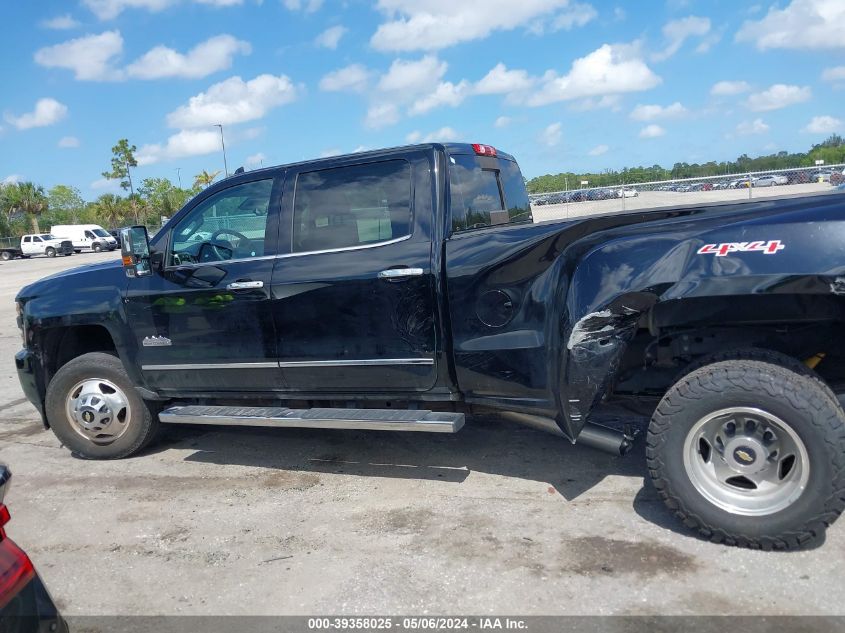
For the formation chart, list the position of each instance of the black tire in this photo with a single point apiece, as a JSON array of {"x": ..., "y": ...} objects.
[
  {"x": 794, "y": 397},
  {"x": 77, "y": 250},
  {"x": 142, "y": 423},
  {"x": 50, "y": 252},
  {"x": 96, "y": 248},
  {"x": 764, "y": 356},
  {"x": 5, "y": 256}
]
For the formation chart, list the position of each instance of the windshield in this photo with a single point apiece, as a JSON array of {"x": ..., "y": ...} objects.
[{"x": 101, "y": 233}]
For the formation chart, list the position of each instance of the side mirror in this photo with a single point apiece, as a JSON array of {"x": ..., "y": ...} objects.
[{"x": 135, "y": 248}]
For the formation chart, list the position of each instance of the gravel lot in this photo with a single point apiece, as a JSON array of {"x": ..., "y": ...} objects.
[{"x": 496, "y": 519}]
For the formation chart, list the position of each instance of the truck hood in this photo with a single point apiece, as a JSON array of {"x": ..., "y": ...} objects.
[{"x": 75, "y": 280}]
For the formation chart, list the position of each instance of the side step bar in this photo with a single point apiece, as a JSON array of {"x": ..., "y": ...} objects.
[{"x": 281, "y": 417}]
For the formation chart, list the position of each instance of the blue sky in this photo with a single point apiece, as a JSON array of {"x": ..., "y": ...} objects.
[{"x": 561, "y": 84}]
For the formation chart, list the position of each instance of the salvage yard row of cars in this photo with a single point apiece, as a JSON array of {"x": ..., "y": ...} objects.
[{"x": 834, "y": 177}]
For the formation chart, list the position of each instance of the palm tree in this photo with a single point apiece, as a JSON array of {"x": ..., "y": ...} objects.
[
  {"x": 109, "y": 208},
  {"x": 203, "y": 179},
  {"x": 28, "y": 198}
]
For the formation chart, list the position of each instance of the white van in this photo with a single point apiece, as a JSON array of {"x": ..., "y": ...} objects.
[{"x": 89, "y": 237}]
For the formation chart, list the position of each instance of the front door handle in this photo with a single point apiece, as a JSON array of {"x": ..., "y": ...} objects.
[
  {"x": 399, "y": 274},
  {"x": 245, "y": 285}
]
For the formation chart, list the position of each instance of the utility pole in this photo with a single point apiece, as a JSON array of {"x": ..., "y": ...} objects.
[
  {"x": 179, "y": 176},
  {"x": 223, "y": 144}
]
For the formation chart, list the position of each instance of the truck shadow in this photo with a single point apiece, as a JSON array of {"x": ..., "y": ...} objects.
[{"x": 486, "y": 444}]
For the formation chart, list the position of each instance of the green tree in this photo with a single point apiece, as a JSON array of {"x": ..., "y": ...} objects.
[
  {"x": 123, "y": 157},
  {"x": 109, "y": 209},
  {"x": 162, "y": 197},
  {"x": 65, "y": 203},
  {"x": 204, "y": 178},
  {"x": 26, "y": 198}
]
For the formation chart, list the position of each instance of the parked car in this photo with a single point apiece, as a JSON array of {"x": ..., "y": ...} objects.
[
  {"x": 770, "y": 180},
  {"x": 837, "y": 177},
  {"x": 627, "y": 192},
  {"x": 382, "y": 291},
  {"x": 822, "y": 176},
  {"x": 90, "y": 237},
  {"x": 38, "y": 244},
  {"x": 25, "y": 604}
]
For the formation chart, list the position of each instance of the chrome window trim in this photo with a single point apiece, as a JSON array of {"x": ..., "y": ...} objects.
[
  {"x": 259, "y": 258},
  {"x": 357, "y": 247},
  {"x": 372, "y": 362}
]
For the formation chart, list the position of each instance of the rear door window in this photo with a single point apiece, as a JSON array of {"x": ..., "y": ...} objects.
[
  {"x": 486, "y": 191},
  {"x": 345, "y": 207}
]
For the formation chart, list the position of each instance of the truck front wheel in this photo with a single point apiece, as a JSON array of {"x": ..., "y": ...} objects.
[
  {"x": 750, "y": 453},
  {"x": 96, "y": 248},
  {"x": 95, "y": 411},
  {"x": 50, "y": 252}
]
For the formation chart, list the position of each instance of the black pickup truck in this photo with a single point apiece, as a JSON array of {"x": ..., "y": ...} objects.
[{"x": 402, "y": 289}]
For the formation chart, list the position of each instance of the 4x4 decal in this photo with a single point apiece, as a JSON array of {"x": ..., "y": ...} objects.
[{"x": 723, "y": 250}]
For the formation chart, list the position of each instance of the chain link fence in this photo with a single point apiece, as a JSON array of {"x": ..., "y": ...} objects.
[{"x": 574, "y": 203}]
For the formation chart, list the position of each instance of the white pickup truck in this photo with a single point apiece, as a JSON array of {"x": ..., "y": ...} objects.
[{"x": 37, "y": 244}]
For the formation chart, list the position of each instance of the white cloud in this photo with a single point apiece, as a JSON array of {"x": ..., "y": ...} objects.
[
  {"x": 598, "y": 150},
  {"x": 105, "y": 184},
  {"x": 210, "y": 56},
  {"x": 352, "y": 78},
  {"x": 255, "y": 160},
  {"x": 573, "y": 15},
  {"x": 652, "y": 131},
  {"x": 413, "y": 77},
  {"x": 614, "y": 102},
  {"x": 61, "y": 22},
  {"x": 502, "y": 121},
  {"x": 89, "y": 57},
  {"x": 330, "y": 38},
  {"x": 729, "y": 88},
  {"x": 807, "y": 24},
  {"x": 179, "y": 145},
  {"x": 445, "y": 94},
  {"x": 652, "y": 112},
  {"x": 110, "y": 9},
  {"x": 436, "y": 24},
  {"x": 677, "y": 32},
  {"x": 551, "y": 135},
  {"x": 778, "y": 96},
  {"x": 381, "y": 115},
  {"x": 824, "y": 125},
  {"x": 834, "y": 73},
  {"x": 234, "y": 101},
  {"x": 67, "y": 142},
  {"x": 757, "y": 126},
  {"x": 500, "y": 80},
  {"x": 309, "y": 6},
  {"x": 47, "y": 112},
  {"x": 443, "y": 135},
  {"x": 611, "y": 69}
]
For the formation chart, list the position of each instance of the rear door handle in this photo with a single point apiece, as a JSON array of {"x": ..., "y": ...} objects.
[
  {"x": 398, "y": 274},
  {"x": 245, "y": 285}
]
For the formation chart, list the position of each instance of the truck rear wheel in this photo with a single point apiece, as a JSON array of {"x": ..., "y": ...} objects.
[
  {"x": 95, "y": 411},
  {"x": 50, "y": 252},
  {"x": 750, "y": 453},
  {"x": 5, "y": 255}
]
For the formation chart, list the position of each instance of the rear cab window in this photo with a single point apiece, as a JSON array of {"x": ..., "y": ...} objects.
[{"x": 486, "y": 191}]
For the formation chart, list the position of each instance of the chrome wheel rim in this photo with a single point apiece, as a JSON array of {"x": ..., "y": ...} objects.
[
  {"x": 746, "y": 461},
  {"x": 98, "y": 410}
]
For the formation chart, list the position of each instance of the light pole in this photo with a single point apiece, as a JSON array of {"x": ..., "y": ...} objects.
[
  {"x": 225, "y": 164},
  {"x": 179, "y": 176}
]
